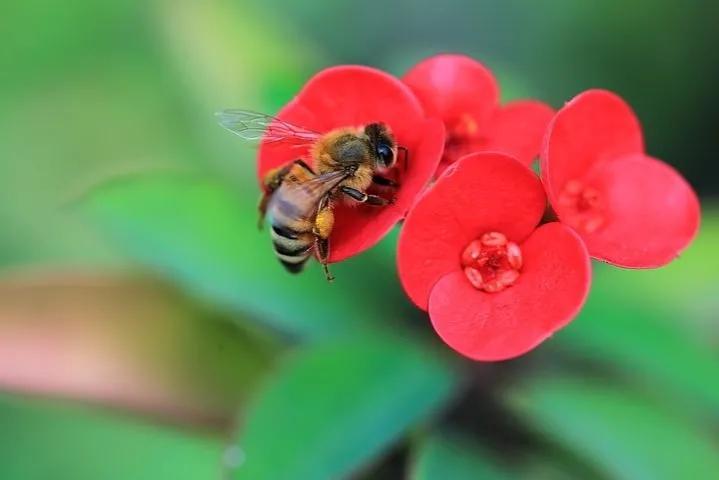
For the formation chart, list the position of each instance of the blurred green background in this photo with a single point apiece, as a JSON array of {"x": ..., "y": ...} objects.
[{"x": 147, "y": 332}]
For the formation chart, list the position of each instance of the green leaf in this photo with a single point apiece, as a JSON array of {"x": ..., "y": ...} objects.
[
  {"x": 551, "y": 464},
  {"x": 619, "y": 432},
  {"x": 203, "y": 235},
  {"x": 645, "y": 325},
  {"x": 455, "y": 456},
  {"x": 646, "y": 345},
  {"x": 686, "y": 287},
  {"x": 449, "y": 456},
  {"x": 41, "y": 440},
  {"x": 336, "y": 406}
]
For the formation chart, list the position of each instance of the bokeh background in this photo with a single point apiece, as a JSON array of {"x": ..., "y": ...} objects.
[{"x": 147, "y": 332}]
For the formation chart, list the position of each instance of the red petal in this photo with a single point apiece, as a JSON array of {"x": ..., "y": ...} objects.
[
  {"x": 346, "y": 96},
  {"x": 651, "y": 212},
  {"x": 358, "y": 228},
  {"x": 593, "y": 127},
  {"x": 449, "y": 86},
  {"x": 353, "y": 96},
  {"x": 480, "y": 193},
  {"x": 518, "y": 128},
  {"x": 357, "y": 95},
  {"x": 549, "y": 293}
]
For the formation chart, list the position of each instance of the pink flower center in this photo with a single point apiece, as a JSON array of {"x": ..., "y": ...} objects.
[
  {"x": 581, "y": 206},
  {"x": 492, "y": 263}
]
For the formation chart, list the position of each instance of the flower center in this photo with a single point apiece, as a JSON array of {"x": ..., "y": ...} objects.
[
  {"x": 582, "y": 206},
  {"x": 463, "y": 137},
  {"x": 465, "y": 127},
  {"x": 492, "y": 263}
]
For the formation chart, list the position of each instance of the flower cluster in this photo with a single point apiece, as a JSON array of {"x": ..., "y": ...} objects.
[{"x": 498, "y": 256}]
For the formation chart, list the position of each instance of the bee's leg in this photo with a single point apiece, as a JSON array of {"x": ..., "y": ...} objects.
[
  {"x": 272, "y": 181},
  {"x": 322, "y": 246},
  {"x": 362, "y": 197},
  {"x": 302, "y": 164},
  {"x": 385, "y": 182},
  {"x": 405, "y": 156},
  {"x": 324, "y": 221}
]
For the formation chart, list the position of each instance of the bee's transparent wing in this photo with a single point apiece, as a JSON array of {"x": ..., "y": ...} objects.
[
  {"x": 323, "y": 183},
  {"x": 255, "y": 127},
  {"x": 311, "y": 191}
]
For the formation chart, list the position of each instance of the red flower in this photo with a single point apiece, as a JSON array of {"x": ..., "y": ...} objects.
[
  {"x": 471, "y": 254},
  {"x": 464, "y": 94},
  {"x": 354, "y": 96},
  {"x": 630, "y": 209}
]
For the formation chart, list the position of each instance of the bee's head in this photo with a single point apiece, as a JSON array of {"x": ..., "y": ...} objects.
[{"x": 383, "y": 146}]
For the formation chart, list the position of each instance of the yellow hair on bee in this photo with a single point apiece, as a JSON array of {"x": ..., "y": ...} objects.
[
  {"x": 321, "y": 148},
  {"x": 324, "y": 222}
]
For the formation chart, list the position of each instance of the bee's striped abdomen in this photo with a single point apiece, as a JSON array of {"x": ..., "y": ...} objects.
[
  {"x": 292, "y": 210},
  {"x": 291, "y": 247}
]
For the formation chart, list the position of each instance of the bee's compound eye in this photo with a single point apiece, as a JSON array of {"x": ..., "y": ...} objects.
[{"x": 384, "y": 152}]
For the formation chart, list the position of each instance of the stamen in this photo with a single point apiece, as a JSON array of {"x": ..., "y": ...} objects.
[
  {"x": 514, "y": 256},
  {"x": 492, "y": 263},
  {"x": 583, "y": 208},
  {"x": 465, "y": 127},
  {"x": 463, "y": 136},
  {"x": 474, "y": 276},
  {"x": 494, "y": 239},
  {"x": 472, "y": 252}
]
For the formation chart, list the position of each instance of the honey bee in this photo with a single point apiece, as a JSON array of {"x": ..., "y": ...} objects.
[{"x": 299, "y": 198}]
